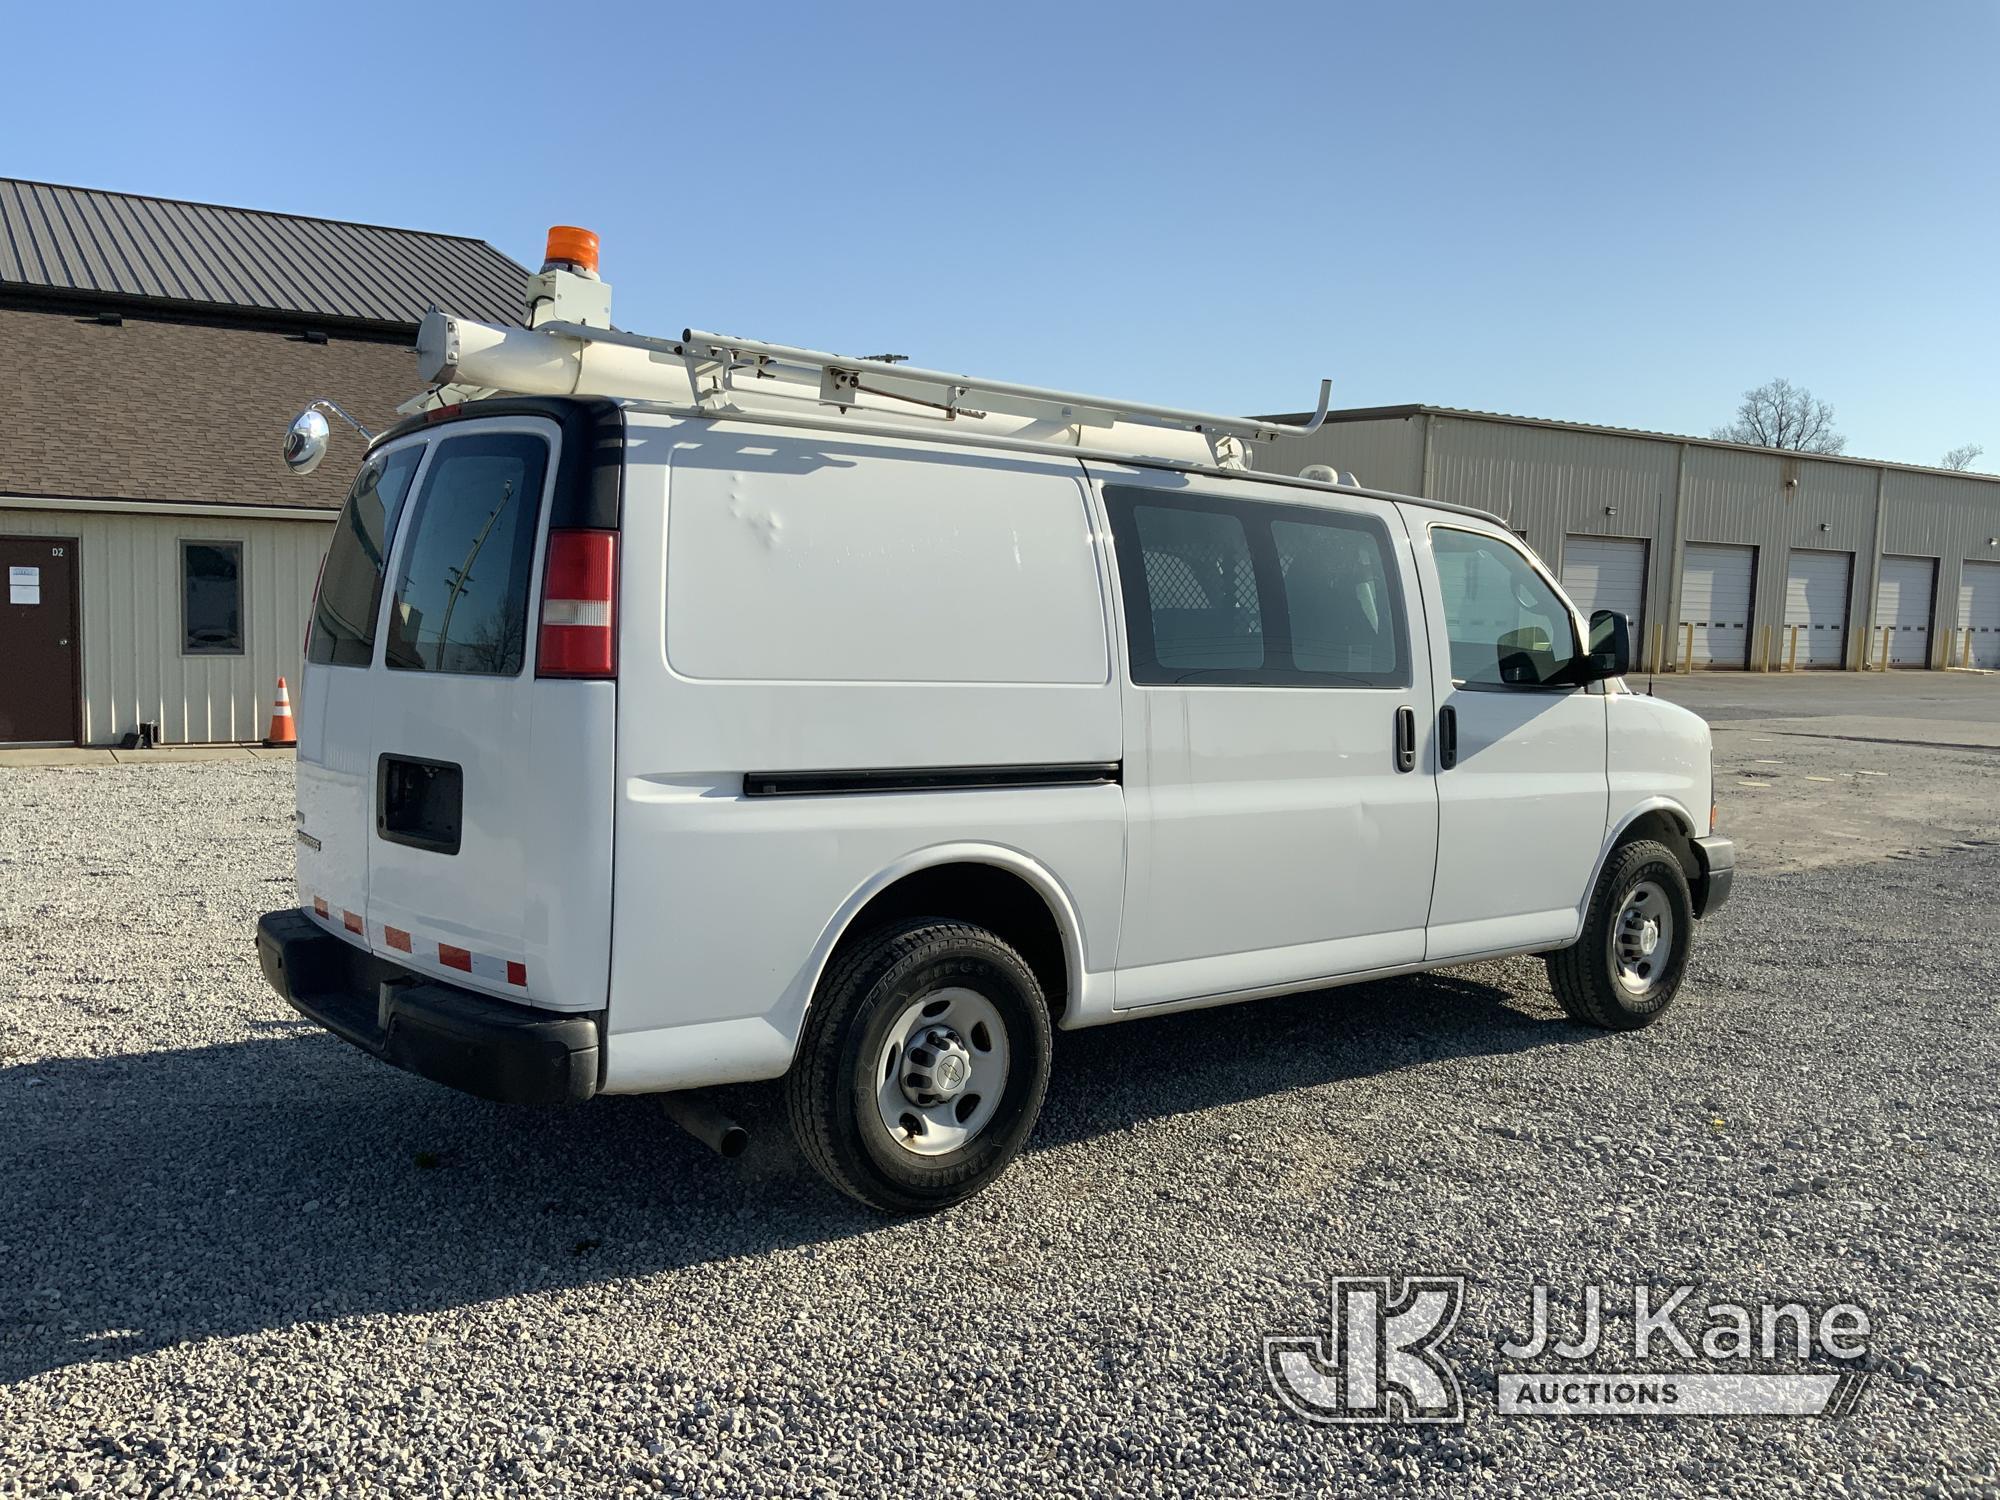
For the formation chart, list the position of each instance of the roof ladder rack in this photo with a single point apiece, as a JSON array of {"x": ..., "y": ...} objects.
[{"x": 716, "y": 365}]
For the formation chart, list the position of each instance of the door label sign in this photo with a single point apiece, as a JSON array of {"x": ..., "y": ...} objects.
[{"x": 24, "y": 585}]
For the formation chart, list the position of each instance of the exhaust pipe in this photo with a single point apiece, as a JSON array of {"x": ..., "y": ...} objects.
[{"x": 693, "y": 1112}]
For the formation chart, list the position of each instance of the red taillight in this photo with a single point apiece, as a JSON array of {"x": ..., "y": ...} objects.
[{"x": 579, "y": 630}]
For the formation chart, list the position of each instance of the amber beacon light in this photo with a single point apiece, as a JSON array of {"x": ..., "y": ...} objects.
[{"x": 571, "y": 249}]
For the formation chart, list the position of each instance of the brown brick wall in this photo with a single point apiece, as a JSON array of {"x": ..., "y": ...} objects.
[{"x": 157, "y": 410}]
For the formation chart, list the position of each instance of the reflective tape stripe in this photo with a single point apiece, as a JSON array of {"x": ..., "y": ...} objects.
[{"x": 488, "y": 966}]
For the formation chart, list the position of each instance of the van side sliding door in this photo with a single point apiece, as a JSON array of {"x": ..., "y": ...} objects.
[{"x": 1282, "y": 814}]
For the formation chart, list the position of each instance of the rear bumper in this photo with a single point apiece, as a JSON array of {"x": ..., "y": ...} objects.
[
  {"x": 474, "y": 1043},
  {"x": 1710, "y": 888}
]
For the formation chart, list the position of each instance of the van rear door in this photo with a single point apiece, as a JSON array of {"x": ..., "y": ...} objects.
[
  {"x": 456, "y": 715},
  {"x": 335, "y": 819},
  {"x": 490, "y": 786}
]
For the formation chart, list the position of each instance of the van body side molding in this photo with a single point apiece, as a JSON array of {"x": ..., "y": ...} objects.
[{"x": 928, "y": 779}]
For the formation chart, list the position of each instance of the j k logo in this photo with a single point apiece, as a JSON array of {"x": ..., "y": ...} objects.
[{"x": 1378, "y": 1360}]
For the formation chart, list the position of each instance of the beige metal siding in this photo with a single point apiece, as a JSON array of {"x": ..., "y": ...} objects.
[
  {"x": 129, "y": 586},
  {"x": 1742, "y": 497},
  {"x": 1384, "y": 454}
]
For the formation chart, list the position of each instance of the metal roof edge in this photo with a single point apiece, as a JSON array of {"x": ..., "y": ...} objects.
[
  {"x": 99, "y": 505},
  {"x": 268, "y": 213},
  {"x": 1557, "y": 424},
  {"x": 36, "y": 296}
]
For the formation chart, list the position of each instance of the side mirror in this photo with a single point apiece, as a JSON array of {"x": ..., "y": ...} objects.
[
  {"x": 1610, "y": 650},
  {"x": 305, "y": 442}
]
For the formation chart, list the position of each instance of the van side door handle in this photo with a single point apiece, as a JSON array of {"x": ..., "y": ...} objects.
[
  {"x": 1406, "y": 739},
  {"x": 1447, "y": 737}
]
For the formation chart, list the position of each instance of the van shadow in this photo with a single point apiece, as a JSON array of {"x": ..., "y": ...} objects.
[{"x": 157, "y": 1198}]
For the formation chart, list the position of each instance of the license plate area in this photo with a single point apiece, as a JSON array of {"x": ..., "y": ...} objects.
[{"x": 419, "y": 802}]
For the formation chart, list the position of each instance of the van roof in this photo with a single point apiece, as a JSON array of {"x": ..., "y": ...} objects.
[{"x": 562, "y": 409}]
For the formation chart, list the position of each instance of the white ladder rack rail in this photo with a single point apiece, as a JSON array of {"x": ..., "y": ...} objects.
[{"x": 714, "y": 362}]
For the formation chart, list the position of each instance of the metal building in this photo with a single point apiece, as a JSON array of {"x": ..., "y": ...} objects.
[
  {"x": 159, "y": 559},
  {"x": 1721, "y": 555}
]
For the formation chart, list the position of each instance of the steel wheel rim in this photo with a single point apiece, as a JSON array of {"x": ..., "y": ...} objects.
[
  {"x": 1642, "y": 940},
  {"x": 915, "y": 1067}
]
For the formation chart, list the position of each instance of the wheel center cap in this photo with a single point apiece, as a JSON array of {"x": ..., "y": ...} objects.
[
  {"x": 936, "y": 1067},
  {"x": 1649, "y": 937}
]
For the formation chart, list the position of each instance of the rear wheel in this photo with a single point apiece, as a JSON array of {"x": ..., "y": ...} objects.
[
  {"x": 923, "y": 1065},
  {"x": 1626, "y": 968}
]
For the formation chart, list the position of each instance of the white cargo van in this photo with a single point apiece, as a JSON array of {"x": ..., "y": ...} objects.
[{"x": 718, "y": 711}]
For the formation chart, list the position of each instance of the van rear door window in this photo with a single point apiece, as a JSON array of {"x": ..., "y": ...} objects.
[
  {"x": 461, "y": 600},
  {"x": 350, "y": 590}
]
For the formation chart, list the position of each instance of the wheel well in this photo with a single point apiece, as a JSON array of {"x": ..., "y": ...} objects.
[
  {"x": 1663, "y": 827},
  {"x": 986, "y": 896}
]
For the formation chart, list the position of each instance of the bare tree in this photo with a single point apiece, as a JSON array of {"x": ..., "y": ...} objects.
[
  {"x": 1783, "y": 415},
  {"x": 1961, "y": 458}
]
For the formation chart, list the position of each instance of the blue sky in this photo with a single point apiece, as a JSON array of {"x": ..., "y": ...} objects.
[{"x": 1602, "y": 212}]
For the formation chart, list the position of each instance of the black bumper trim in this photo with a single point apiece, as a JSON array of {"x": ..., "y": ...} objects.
[
  {"x": 1717, "y": 858},
  {"x": 492, "y": 1048}
]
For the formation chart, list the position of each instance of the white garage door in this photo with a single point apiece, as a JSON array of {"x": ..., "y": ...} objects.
[
  {"x": 1816, "y": 608},
  {"x": 1903, "y": 609},
  {"x": 1602, "y": 572},
  {"x": 1979, "y": 612},
  {"x": 1715, "y": 604}
]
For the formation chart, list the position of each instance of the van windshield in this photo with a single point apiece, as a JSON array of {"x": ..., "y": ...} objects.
[
  {"x": 350, "y": 590},
  {"x": 461, "y": 602}
]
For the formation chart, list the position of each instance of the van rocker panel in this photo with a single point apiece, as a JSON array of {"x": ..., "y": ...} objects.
[{"x": 492, "y": 1048}]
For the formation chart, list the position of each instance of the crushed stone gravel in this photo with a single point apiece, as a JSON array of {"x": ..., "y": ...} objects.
[{"x": 241, "y": 1257}]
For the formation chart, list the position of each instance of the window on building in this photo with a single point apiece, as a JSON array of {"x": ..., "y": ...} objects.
[
  {"x": 1230, "y": 592},
  {"x": 212, "y": 598},
  {"x": 1507, "y": 627},
  {"x": 350, "y": 588},
  {"x": 461, "y": 603}
]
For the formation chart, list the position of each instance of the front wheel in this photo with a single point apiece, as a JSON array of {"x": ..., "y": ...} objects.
[
  {"x": 923, "y": 1065},
  {"x": 1626, "y": 968}
]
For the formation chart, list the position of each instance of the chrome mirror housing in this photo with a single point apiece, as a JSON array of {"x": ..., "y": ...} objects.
[{"x": 305, "y": 442}]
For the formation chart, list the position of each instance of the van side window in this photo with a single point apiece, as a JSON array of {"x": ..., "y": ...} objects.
[
  {"x": 1507, "y": 627},
  {"x": 1337, "y": 599},
  {"x": 1201, "y": 588},
  {"x": 1248, "y": 593},
  {"x": 461, "y": 604},
  {"x": 350, "y": 588}
]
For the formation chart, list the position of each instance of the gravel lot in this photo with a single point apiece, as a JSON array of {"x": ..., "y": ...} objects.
[{"x": 242, "y": 1257}]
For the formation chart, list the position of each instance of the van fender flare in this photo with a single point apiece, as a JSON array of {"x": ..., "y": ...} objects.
[
  {"x": 1037, "y": 875},
  {"x": 1632, "y": 815}
]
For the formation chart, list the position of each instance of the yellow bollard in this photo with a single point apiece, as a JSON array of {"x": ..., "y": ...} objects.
[
  {"x": 1792, "y": 651},
  {"x": 1887, "y": 640},
  {"x": 1687, "y": 661}
]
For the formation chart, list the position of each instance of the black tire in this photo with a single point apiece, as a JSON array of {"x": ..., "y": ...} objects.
[
  {"x": 1585, "y": 976},
  {"x": 830, "y": 1092}
]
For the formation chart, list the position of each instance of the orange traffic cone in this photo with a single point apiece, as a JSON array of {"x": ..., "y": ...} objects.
[{"x": 283, "y": 731}]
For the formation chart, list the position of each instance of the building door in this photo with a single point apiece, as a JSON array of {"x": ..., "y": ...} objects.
[
  {"x": 1815, "y": 633},
  {"x": 38, "y": 641},
  {"x": 1607, "y": 572},
  {"x": 1714, "y": 628},
  {"x": 1903, "y": 610},
  {"x": 1979, "y": 614}
]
